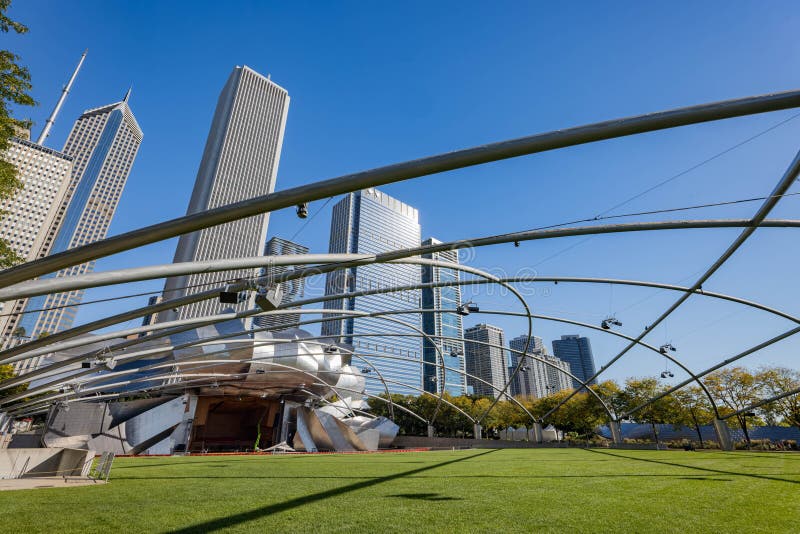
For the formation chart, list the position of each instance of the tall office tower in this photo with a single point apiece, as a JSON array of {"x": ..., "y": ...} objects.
[
  {"x": 103, "y": 144},
  {"x": 240, "y": 161},
  {"x": 538, "y": 379},
  {"x": 577, "y": 352},
  {"x": 449, "y": 325},
  {"x": 27, "y": 216},
  {"x": 488, "y": 363},
  {"x": 370, "y": 221},
  {"x": 292, "y": 290}
]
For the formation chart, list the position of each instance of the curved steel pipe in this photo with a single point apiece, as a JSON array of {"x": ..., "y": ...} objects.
[{"x": 403, "y": 171}]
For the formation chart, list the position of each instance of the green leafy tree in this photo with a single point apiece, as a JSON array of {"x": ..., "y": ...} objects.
[
  {"x": 15, "y": 85},
  {"x": 776, "y": 381},
  {"x": 637, "y": 391},
  {"x": 692, "y": 409},
  {"x": 735, "y": 389},
  {"x": 6, "y": 372}
]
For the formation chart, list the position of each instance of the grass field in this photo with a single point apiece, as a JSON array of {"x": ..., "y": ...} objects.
[{"x": 533, "y": 490}]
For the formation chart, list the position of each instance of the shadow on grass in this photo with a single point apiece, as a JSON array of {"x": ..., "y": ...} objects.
[
  {"x": 230, "y": 521},
  {"x": 706, "y": 469},
  {"x": 426, "y": 497}
]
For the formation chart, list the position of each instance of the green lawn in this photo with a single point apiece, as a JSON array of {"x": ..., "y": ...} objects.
[{"x": 520, "y": 490}]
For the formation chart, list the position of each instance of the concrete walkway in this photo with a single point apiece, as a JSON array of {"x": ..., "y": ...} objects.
[{"x": 8, "y": 484}]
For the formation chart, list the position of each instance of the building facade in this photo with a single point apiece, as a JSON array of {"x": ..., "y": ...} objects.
[
  {"x": 103, "y": 145},
  {"x": 489, "y": 363},
  {"x": 28, "y": 216},
  {"x": 292, "y": 290},
  {"x": 240, "y": 161},
  {"x": 442, "y": 325},
  {"x": 577, "y": 352},
  {"x": 538, "y": 379},
  {"x": 372, "y": 222}
]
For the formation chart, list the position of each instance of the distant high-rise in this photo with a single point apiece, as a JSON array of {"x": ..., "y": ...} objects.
[
  {"x": 538, "y": 379},
  {"x": 448, "y": 325},
  {"x": 488, "y": 363},
  {"x": 370, "y": 221},
  {"x": 26, "y": 218},
  {"x": 292, "y": 290},
  {"x": 103, "y": 144},
  {"x": 240, "y": 161},
  {"x": 577, "y": 352}
]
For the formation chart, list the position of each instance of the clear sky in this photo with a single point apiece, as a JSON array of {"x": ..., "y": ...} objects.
[{"x": 374, "y": 83}]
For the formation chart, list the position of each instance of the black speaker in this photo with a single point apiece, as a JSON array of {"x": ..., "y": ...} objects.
[{"x": 228, "y": 297}]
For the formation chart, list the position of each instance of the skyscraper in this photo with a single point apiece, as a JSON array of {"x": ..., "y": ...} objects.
[
  {"x": 577, "y": 352},
  {"x": 240, "y": 161},
  {"x": 485, "y": 362},
  {"x": 370, "y": 221},
  {"x": 436, "y": 379},
  {"x": 292, "y": 290},
  {"x": 28, "y": 216},
  {"x": 103, "y": 144},
  {"x": 538, "y": 379}
]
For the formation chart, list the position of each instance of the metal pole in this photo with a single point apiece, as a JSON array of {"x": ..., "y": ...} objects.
[
  {"x": 404, "y": 171},
  {"x": 783, "y": 185},
  {"x": 64, "y": 92}
]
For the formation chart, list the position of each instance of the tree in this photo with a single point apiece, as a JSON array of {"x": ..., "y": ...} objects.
[
  {"x": 15, "y": 84},
  {"x": 736, "y": 389},
  {"x": 692, "y": 409},
  {"x": 637, "y": 391},
  {"x": 6, "y": 372},
  {"x": 778, "y": 380}
]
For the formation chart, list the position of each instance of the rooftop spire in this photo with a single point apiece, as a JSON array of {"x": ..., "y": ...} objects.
[
  {"x": 64, "y": 92},
  {"x": 127, "y": 95}
]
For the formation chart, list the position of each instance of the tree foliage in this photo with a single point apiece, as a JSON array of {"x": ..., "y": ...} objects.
[{"x": 732, "y": 390}]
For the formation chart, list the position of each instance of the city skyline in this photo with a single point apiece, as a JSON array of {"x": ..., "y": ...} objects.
[{"x": 348, "y": 132}]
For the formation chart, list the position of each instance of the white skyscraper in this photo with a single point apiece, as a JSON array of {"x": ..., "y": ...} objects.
[
  {"x": 29, "y": 214},
  {"x": 486, "y": 362},
  {"x": 538, "y": 379},
  {"x": 103, "y": 145},
  {"x": 240, "y": 161}
]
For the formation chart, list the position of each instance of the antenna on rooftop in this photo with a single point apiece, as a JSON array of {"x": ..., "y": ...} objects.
[{"x": 64, "y": 92}]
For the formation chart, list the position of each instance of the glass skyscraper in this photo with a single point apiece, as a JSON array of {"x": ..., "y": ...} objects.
[
  {"x": 292, "y": 290},
  {"x": 103, "y": 145},
  {"x": 371, "y": 222},
  {"x": 240, "y": 161},
  {"x": 436, "y": 379},
  {"x": 577, "y": 352}
]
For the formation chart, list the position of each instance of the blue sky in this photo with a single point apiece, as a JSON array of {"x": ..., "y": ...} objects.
[{"x": 374, "y": 83}]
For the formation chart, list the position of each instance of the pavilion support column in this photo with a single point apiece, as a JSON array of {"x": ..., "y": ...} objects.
[
  {"x": 538, "y": 435},
  {"x": 616, "y": 432},
  {"x": 478, "y": 431},
  {"x": 723, "y": 435},
  {"x": 431, "y": 431}
]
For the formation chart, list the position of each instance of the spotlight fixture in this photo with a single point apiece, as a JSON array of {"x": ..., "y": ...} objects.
[
  {"x": 516, "y": 243},
  {"x": 269, "y": 298},
  {"x": 467, "y": 308},
  {"x": 663, "y": 349},
  {"x": 608, "y": 322},
  {"x": 365, "y": 370},
  {"x": 331, "y": 349},
  {"x": 456, "y": 352},
  {"x": 302, "y": 210},
  {"x": 667, "y": 374}
]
